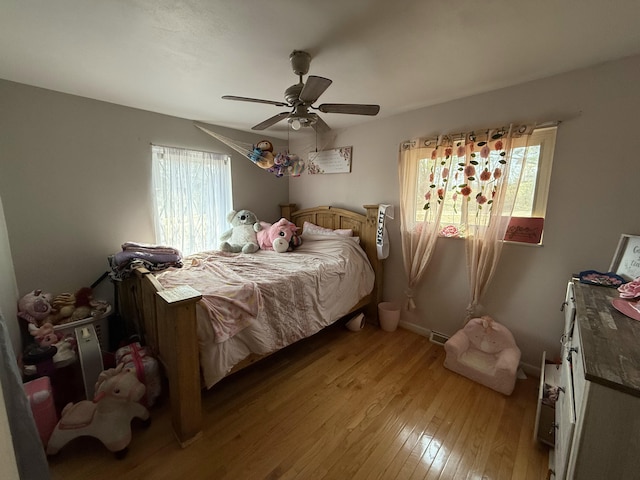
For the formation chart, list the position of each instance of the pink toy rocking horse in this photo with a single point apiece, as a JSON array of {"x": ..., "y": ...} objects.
[{"x": 108, "y": 417}]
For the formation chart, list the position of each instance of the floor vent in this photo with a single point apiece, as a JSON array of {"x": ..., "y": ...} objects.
[{"x": 437, "y": 337}]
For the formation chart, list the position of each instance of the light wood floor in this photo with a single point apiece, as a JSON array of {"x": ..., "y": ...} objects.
[{"x": 340, "y": 405}]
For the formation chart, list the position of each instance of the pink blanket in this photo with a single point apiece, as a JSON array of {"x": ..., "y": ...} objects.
[
  {"x": 230, "y": 301},
  {"x": 264, "y": 301}
]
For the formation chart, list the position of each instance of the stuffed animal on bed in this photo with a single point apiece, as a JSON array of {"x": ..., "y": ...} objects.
[
  {"x": 277, "y": 236},
  {"x": 242, "y": 236}
]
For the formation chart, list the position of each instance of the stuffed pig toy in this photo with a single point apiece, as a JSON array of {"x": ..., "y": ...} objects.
[
  {"x": 277, "y": 236},
  {"x": 242, "y": 235},
  {"x": 35, "y": 307}
]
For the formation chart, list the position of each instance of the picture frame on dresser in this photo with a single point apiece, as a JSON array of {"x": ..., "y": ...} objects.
[{"x": 626, "y": 260}]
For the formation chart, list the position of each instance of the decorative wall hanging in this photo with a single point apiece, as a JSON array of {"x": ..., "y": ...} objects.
[{"x": 335, "y": 160}]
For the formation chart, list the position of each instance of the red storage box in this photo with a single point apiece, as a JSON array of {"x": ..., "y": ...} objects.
[{"x": 40, "y": 397}]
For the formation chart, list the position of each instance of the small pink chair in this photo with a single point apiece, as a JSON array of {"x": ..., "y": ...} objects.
[{"x": 486, "y": 352}]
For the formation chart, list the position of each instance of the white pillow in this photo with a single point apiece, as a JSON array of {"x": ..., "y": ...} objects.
[{"x": 312, "y": 229}]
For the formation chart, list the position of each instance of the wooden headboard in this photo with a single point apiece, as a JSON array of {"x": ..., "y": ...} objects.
[{"x": 363, "y": 226}]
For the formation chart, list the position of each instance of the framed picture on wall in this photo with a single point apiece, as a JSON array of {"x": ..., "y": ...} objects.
[
  {"x": 335, "y": 160},
  {"x": 626, "y": 260}
]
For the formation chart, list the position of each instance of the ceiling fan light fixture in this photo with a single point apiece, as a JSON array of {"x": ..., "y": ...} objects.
[{"x": 301, "y": 97}]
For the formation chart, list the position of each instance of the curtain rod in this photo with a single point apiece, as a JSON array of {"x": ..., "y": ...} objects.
[
  {"x": 188, "y": 148},
  {"x": 438, "y": 138}
]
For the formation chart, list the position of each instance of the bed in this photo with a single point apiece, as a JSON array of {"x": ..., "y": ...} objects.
[{"x": 196, "y": 352}]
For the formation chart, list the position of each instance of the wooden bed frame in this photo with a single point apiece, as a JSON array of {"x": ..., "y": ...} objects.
[{"x": 167, "y": 317}]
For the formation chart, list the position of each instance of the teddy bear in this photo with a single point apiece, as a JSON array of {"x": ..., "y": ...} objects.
[
  {"x": 242, "y": 236},
  {"x": 277, "y": 236},
  {"x": 262, "y": 154},
  {"x": 73, "y": 307}
]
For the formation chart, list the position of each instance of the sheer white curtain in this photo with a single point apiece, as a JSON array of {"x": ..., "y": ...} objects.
[
  {"x": 192, "y": 197},
  {"x": 490, "y": 176},
  {"x": 424, "y": 170}
]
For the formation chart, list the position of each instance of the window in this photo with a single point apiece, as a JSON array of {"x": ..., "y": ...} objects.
[
  {"x": 192, "y": 197},
  {"x": 531, "y": 198}
]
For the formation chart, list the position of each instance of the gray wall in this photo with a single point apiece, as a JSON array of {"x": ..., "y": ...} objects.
[
  {"x": 74, "y": 180},
  {"x": 594, "y": 194}
]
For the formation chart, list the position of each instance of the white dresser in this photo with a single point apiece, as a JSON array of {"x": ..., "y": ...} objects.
[{"x": 597, "y": 414}]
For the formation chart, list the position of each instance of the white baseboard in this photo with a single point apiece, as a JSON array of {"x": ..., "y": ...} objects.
[{"x": 425, "y": 332}]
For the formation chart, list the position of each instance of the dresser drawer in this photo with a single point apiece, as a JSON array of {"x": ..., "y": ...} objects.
[
  {"x": 565, "y": 417},
  {"x": 569, "y": 309},
  {"x": 577, "y": 363},
  {"x": 545, "y": 430}
]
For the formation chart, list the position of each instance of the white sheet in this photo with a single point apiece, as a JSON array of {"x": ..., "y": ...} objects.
[{"x": 303, "y": 291}]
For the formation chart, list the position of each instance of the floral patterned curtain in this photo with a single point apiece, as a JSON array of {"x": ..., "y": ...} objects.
[
  {"x": 477, "y": 174},
  {"x": 489, "y": 181},
  {"x": 419, "y": 227}
]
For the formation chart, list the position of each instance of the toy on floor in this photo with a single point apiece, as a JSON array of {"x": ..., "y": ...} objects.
[
  {"x": 138, "y": 359},
  {"x": 486, "y": 352},
  {"x": 108, "y": 417}
]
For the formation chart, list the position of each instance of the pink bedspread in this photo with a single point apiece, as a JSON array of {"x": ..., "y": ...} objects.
[
  {"x": 259, "y": 303},
  {"x": 231, "y": 301}
]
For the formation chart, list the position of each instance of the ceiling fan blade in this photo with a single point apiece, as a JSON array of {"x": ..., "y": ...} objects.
[
  {"x": 320, "y": 126},
  {"x": 255, "y": 100},
  {"x": 314, "y": 87},
  {"x": 350, "y": 108},
  {"x": 270, "y": 121}
]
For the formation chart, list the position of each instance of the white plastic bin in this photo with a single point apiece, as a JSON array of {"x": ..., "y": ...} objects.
[
  {"x": 388, "y": 316},
  {"x": 100, "y": 323}
]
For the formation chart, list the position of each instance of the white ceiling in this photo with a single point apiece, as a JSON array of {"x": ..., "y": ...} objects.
[{"x": 180, "y": 57}]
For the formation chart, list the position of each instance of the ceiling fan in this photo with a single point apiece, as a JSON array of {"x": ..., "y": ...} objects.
[{"x": 301, "y": 97}]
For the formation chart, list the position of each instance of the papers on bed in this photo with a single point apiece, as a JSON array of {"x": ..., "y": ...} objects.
[
  {"x": 261, "y": 302},
  {"x": 179, "y": 294}
]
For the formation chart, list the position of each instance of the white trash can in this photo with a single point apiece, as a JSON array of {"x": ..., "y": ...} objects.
[{"x": 388, "y": 316}]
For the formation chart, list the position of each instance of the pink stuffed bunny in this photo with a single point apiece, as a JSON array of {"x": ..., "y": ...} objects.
[{"x": 276, "y": 236}]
